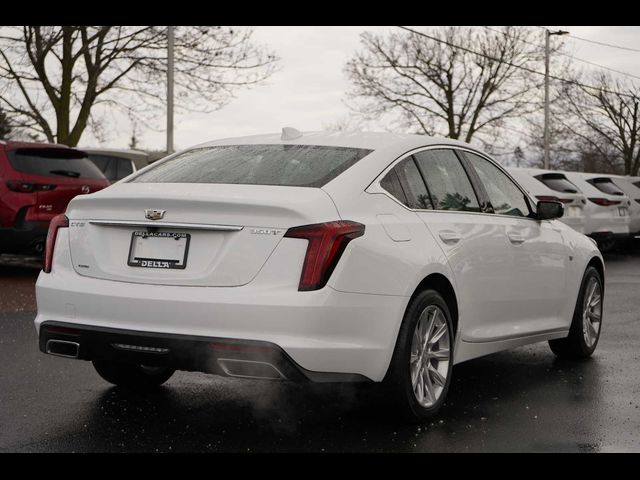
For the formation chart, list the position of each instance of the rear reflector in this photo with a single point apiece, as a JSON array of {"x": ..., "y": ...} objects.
[
  {"x": 63, "y": 330},
  {"x": 327, "y": 242},
  {"x": 57, "y": 222},
  {"x": 604, "y": 202}
]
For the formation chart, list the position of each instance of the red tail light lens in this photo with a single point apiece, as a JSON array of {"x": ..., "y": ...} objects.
[
  {"x": 551, "y": 198},
  {"x": 26, "y": 187},
  {"x": 20, "y": 187},
  {"x": 547, "y": 198},
  {"x": 327, "y": 242},
  {"x": 57, "y": 222},
  {"x": 603, "y": 202}
]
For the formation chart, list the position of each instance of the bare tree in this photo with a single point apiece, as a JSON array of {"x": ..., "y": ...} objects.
[
  {"x": 52, "y": 78},
  {"x": 458, "y": 82},
  {"x": 604, "y": 115},
  {"x": 5, "y": 125}
]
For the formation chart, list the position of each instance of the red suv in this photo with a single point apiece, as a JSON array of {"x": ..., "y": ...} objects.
[{"x": 37, "y": 181}]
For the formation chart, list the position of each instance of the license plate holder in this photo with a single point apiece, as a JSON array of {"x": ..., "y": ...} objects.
[{"x": 160, "y": 250}]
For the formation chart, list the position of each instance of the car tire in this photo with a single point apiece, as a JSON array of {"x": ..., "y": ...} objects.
[
  {"x": 586, "y": 325},
  {"x": 407, "y": 381},
  {"x": 135, "y": 377}
]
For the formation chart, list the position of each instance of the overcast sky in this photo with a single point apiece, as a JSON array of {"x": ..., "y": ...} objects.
[{"x": 308, "y": 91}]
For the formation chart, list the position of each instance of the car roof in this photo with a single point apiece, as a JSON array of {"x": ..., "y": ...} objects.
[
  {"x": 13, "y": 145},
  {"x": 117, "y": 152},
  {"x": 365, "y": 140}
]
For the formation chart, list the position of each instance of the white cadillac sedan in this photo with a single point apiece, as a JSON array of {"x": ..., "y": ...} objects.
[{"x": 318, "y": 257}]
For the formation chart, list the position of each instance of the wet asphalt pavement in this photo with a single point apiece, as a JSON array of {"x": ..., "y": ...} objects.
[{"x": 520, "y": 400}]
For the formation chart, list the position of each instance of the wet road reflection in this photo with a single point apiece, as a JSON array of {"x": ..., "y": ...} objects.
[{"x": 521, "y": 400}]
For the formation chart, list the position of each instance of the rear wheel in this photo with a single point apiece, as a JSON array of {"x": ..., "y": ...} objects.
[
  {"x": 137, "y": 377},
  {"x": 420, "y": 371},
  {"x": 587, "y": 320}
]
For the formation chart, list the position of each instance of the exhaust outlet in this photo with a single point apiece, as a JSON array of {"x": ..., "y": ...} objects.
[
  {"x": 250, "y": 369},
  {"x": 63, "y": 348}
]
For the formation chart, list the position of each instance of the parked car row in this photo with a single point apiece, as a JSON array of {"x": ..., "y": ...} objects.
[
  {"x": 603, "y": 206},
  {"x": 37, "y": 181}
]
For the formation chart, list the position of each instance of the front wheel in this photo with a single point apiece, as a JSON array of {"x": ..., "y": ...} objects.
[
  {"x": 420, "y": 372},
  {"x": 138, "y": 377},
  {"x": 587, "y": 320}
]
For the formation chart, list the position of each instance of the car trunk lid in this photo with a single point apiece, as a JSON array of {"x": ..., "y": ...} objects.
[{"x": 203, "y": 234}]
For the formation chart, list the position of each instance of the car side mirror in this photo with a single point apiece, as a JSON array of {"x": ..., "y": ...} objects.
[{"x": 548, "y": 210}]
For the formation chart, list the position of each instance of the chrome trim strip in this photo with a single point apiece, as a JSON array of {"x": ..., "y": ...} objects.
[{"x": 191, "y": 226}]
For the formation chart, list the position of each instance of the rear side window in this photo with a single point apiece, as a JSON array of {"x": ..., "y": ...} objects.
[
  {"x": 391, "y": 183},
  {"x": 54, "y": 162},
  {"x": 505, "y": 196},
  {"x": 606, "y": 185},
  {"x": 558, "y": 182},
  {"x": 287, "y": 165},
  {"x": 412, "y": 184},
  {"x": 114, "y": 168},
  {"x": 447, "y": 181}
]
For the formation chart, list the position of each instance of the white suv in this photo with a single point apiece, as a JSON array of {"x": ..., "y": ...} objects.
[
  {"x": 631, "y": 187},
  {"x": 550, "y": 185},
  {"x": 319, "y": 257},
  {"x": 607, "y": 208}
]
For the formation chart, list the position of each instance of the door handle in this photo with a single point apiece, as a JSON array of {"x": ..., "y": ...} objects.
[
  {"x": 515, "y": 238},
  {"x": 449, "y": 236}
]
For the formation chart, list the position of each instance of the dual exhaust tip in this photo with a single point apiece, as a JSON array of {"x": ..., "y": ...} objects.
[
  {"x": 230, "y": 366},
  {"x": 63, "y": 348}
]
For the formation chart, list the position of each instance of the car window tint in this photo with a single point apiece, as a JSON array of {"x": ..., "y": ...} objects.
[
  {"x": 107, "y": 164},
  {"x": 606, "y": 185},
  {"x": 448, "y": 183},
  {"x": 391, "y": 183},
  {"x": 413, "y": 186},
  {"x": 285, "y": 165},
  {"x": 124, "y": 168},
  {"x": 505, "y": 197},
  {"x": 558, "y": 182},
  {"x": 54, "y": 162}
]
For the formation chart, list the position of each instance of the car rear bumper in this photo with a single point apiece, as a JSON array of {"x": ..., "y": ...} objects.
[
  {"x": 321, "y": 331},
  {"x": 220, "y": 356},
  {"x": 28, "y": 239}
]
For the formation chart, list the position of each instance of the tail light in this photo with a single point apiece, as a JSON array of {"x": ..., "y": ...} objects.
[
  {"x": 551, "y": 198},
  {"x": 327, "y": 242},
  {"x": 604, "y": 202},
  {"x": 21, "y": 187},
  {"x": 27, "y": 187},
  {"x": 57, "y": 222},
  {"x": 547, "y": 198}
]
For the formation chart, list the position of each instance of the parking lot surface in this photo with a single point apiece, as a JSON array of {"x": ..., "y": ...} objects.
[{"x": 520, "y": 400}]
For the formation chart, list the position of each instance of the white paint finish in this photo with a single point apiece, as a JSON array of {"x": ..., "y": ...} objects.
[
  {"x": 600, "y": 219},
  {"x": 633, "y": 192},
  {"x": 512, "y": 278},
  {"x": 394, "y": 228},
  {"x": 215, "y": 258},
  {"x": 574, "y": 203}
]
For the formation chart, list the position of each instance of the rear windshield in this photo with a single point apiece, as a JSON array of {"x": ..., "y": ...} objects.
[
  {"x": 558, "y": 182},
  {"x": 606, "y": 185},
  {"x": 54, "y": 162},
  {"x": 287, "y": 165}
]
